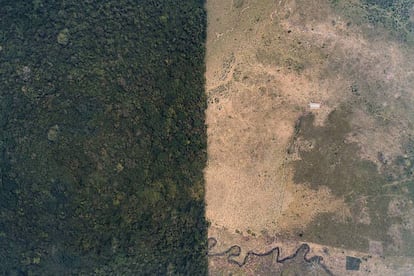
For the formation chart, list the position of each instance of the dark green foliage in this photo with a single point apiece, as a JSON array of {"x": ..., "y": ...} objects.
[
  {"x": 382, "y": 3},
  {"x": 119, "y": 188},
  {"x": 395, "y": 17},
  {"x": 332, "y": 162},
  {"x": 352, "y": 263}
]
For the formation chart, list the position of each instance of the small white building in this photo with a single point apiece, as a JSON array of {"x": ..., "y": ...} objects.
[{"x": 314, "y": 105}]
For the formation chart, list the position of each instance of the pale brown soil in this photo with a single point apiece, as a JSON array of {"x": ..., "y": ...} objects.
[
  {"x": 266, "y": 61},
  {"x": 250, "y": 123}
]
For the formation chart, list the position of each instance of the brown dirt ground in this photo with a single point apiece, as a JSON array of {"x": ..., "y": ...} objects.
[{"x": 266, "y": 61}]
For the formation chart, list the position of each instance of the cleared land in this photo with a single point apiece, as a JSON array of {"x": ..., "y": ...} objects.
[{"x": 280, "y": 172}]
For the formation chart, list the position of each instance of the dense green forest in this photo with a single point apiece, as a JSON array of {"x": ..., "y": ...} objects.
[{"x": 102, "y": 137}]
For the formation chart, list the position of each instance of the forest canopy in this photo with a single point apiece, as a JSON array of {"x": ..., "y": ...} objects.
[{"x": 103, "y": 140}]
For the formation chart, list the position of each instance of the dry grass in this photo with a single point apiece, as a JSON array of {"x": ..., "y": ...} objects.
[{"x": 266, "y": 60}]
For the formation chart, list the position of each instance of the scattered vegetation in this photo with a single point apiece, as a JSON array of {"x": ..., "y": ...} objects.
[{"x": 396, "y": 17}]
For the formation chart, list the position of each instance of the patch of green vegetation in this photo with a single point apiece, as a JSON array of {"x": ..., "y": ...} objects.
[
  {"x": 408, "y": 246},
  {"x": 393, "y": 16},
  {"x": 402, "y": 170},
  {"x": 334, "y": 163},
  {"x": 287, "y": 50},
  {"x": 238, "y": 3},
  {"x": 410, "y": 186},
  {"x": 291, "y": 61},
  {"x": 326, "y": 230},
  {"x": 250, "y": 232},
  {"x": 103, "y": 139}
]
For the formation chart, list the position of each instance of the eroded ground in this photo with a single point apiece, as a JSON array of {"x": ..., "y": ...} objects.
[{"x": 281, "y": 173}]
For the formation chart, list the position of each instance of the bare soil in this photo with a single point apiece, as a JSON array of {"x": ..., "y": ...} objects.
[{"x": 338, "y": 176}]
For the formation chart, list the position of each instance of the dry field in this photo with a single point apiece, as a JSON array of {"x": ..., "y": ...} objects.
[{"x": 281, "y": 173}]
